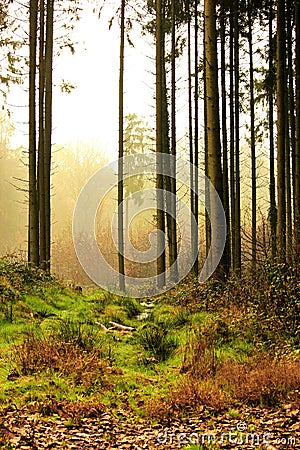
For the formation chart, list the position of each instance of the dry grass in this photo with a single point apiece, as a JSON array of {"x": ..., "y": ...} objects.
[
  {"x": 263, "y": 382},
  {"x": 69, "y": 410},
  {"x": 35, "y": 355},
  {"x": 266, "y": 382}
]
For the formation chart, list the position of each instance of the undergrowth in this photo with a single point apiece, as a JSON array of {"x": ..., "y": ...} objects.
[
  {"x": 263, "y": 382},
  {"x": 37, "y": 355},
  {"x": 212, "y": 345}
]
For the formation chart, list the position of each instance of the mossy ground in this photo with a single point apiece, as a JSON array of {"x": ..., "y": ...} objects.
[{"x": 199, "y": 347}]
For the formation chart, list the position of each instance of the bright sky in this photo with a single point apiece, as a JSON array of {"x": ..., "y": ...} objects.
[{"x": 90, "y": 112}]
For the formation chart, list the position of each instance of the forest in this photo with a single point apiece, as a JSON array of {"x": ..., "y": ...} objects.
[{"x": 149, "y": 284}]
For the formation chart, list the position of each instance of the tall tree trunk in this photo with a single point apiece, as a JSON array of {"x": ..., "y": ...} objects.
[
  {"x": 232, "y": 162},
  {"x": 166, "y": 142},
  {"x": 194, "y": 249},
  {"x": 48, "y": 127},
  {"x": 297, "y": 126},
  {"x": 33, "y": 225},
  {"x": 224, "y": 137},
  {"x": 196, "y": 139},
  {"x": 173, "y": 230},
  {"x": 237, "y": 211},
  {"x": 273, "y": 210},
  {"x": 207, "y": 187},
  {"x": 213, "y": 122},
  {"x": 252, "y": 132},
  {"x": 41, "y": 159},
  {"x": 281, "y": 130},
  {"x": 121, "y": 154},
  {"x": 290, "y": 132},
  {"x": 161, "y": 259},
  {"x": 288, "y": 190}
]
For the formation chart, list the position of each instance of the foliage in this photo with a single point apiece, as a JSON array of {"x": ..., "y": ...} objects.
[
  {"x": 36, "y": 355},
  {"x": 21, "y": 276},
  {"x": 132, "y": 307},
  {"x": 278, "y": 306},
  {"x": 185, "y": 359},
  {"x": 75, "y": 333},
  {"x": 263, "y": 382},
  {"x": 156, "y": 340}
]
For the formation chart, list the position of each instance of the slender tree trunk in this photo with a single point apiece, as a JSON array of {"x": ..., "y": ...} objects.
[
  {"x": 297, "y": 126},
  {"x": 48, "y": 128},
  {"x": 237, "y": 210},
  {"x": 224, "y": 137},
  {"x": 166, "y": 145},
  {"x": 196, "y": 137},
  {"x": 33, "y": 225},
  {"x": 121, "y": 154},
  {"x": 290, "y": 132},
  {"x": 252, "y": 128},
  {"x": 41, "y": 159},
  {"x": 194, "y": 249},
  {"x": 289, "y": 222},
  {"x": 273, "y": 210},
  {"x": 213, "y": 121},
  {"x": 173, "y": 230},
  {"x": 232, "y": 162},
  {"x": 207, "y": 187},
  {"x": 281, "y": 130},
  {"x": 161, "y": 259}
]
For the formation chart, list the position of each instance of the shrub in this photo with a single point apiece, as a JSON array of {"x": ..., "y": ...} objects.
[
  {"x": 199, "y": 353},
  {"x": 264, "y": 382},
  {"x": 178, "y": 319},
  {"x": 76, "y": 333},
  {"x": 155, "y": 339},
  {"x": 68, "y": 410},
  {"x": 20, "y": 275},
  {"x": 132, "y": 307},
  {"x": 279, "y": 304},
  {"x": 36, "y": 355}
]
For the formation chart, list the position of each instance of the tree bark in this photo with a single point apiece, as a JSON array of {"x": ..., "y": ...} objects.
[
  {"x": 173, "y": 227},
  {"x": 41, "y": 158},
  {"x": 207, "y": 188},
  {"x": 194, "y": 249},
  {"x": 48, "y": 128},
  {"x": 196, "y": 142},
  {"x": 33, "y": 224},
  {"x": 281, "y": 130},
  {"x": 273, "y": 210},
  {"x": 161, "y": 257},
  {"x": 121, "y": 154},
  {"x": 290, "y": 133},
  {"x": 232, "y": 162},
  {"x": 297, "y": 144},
  {"x": 213, "y": 122},
  {"x": 252, "y": 132},
  {"x": 237, "y": 211},
  {"x": 224, "y": 137}
]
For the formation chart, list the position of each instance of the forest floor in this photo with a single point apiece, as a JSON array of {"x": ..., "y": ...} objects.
[
  {"x": 275, "y": 428},
  {"x": 204, "y": 366}
]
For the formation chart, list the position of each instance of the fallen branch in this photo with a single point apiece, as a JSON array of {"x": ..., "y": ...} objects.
[
  {"x": 121, "y": 327},
  {"x": 114, "y": 326},
  {"x": 102, "y": 326}
]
